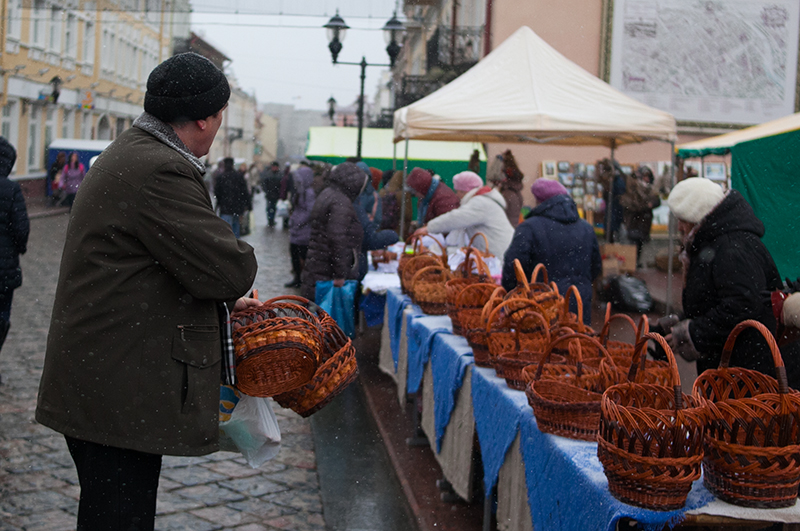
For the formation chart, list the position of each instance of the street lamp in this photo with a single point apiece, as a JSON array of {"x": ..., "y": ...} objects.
[
  {"x": 332, "y": 109},
  {"x": 392, "y": 31}
]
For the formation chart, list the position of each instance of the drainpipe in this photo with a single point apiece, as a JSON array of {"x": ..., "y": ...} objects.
[{"x": 487, "y": 29}]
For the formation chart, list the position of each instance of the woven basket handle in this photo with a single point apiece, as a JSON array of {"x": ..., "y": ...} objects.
[
  {"x": 607, "y": 326},
  {"x": 540, "y": 268},
  {"x": 525, "y": 303},
  {"x": 443, "y": 247},
  {"x": 485, "y": 240},
  {"x": 426, "y": 269},
  {"x": 643, "y": 327},
  {"x": 573, "y": 292},
  {"x": 497, "y": 295},
  {"x": 640, "y": 351},
  {"x": 466, "y": 291},
  {"x": 474, "y": 255},
  {"x": 559, "y": 340},
  {"x": 520, "y": 274},
  {"x": 780, "y": 368},
  {"x": 415, "y": 242},
  {"x": 554, "y": 287}
]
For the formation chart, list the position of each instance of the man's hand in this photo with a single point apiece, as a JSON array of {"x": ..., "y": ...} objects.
[
  {"x": 244, "y": 303},
  {"x": 338, "y": 282},
  {"x": 680, "y": 341}
]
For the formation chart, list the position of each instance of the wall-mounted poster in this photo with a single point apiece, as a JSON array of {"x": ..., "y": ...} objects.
[
  {"x": 693, "y": 168},
  {"x": 566, "y": 179},
  {"x": 732, "y": 62},
  {"x": 563, "y": 166},
  {"x": 549, "y": 169},
  {"x": 714, "y": 171},
  {"x": 590, "y": 171}
]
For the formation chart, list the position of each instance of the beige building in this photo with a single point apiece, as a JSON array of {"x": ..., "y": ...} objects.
[
  {"x": 266, "y": 148},
  {"x": 78, "y": 69},
  {"x": 237, "y": 136}
]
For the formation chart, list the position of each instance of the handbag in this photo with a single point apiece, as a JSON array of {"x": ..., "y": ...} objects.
[{"x": 339, "y": 303}]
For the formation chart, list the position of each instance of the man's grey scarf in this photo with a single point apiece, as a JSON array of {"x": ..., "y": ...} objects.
[{"x": 149, "y": 123}]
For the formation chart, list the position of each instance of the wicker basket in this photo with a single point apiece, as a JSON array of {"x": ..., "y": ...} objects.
[
  {"x": 651, "y": 439},
  {"x": 468, "y": 306},
  {"x": 752, "y": 443},
  {"x": 566, "y": 398},
  {"x": 516, "y": 340},
  {"x": 476, "y": 328},
  {"x": 464, "y": 276},
  {"x": 429, "y": 291},
  {"x": 331, "y": 377},
  {"x": 279, "y": 353},
  {"x": 571, "y": 320},
  {"x": 413, "y": 265},
  {"x": 543, "y": 293}
]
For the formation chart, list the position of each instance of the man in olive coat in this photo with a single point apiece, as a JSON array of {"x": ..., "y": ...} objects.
[{"x": 133, "y": 362}]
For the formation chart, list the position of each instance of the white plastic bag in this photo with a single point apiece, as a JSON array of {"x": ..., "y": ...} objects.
[
  {"x": 252, "y": 429},
  {"x": 282, "y": 208}
]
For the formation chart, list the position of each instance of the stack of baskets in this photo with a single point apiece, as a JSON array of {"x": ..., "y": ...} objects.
[
  {"x": 651, "y": 438},
  {"x": 292, "y": 350},
  {"x": 473, "y": 270},
  {"x": 752, "y": 442}
]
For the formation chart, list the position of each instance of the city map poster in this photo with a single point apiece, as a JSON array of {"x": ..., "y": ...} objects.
[{"x": 731, "y": 62}]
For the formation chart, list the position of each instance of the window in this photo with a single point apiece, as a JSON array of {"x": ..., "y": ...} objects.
[
  {"x": 34, "y": 160},
  {"x": 9, "y": 122},
  {"x": 88, "y": 43},
  {"x": 14, "y": 19},
  {"x": 70, "y": 37},
  {"x": 54, "y": 38},
  {"x": 120, "y": 126},
  {"x": 38, "y": 23},
  {"x": 49, "y": 127},
  {"x": 68, "y": 124}
]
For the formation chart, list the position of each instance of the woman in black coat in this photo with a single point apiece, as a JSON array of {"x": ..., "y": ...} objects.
[
  {"x": 336, "y": 234},
  {"x": 727, "y": 267},
  {"x": 14, "y": 228}
]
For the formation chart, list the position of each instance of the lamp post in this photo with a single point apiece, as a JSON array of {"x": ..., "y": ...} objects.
[
  {"x": 332, "y": 109},
  {"x": 392, "y": 31}
]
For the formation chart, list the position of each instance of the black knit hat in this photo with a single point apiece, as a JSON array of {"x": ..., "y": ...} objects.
[
  {"x": 186, "y": 87},
  {"x": 8, "y": 156}
]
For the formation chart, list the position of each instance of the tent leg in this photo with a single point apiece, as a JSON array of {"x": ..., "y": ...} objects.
[
  {"x": 394, "y": 158},
  {"x": 671, "y": 240},
  {"x": 403, "y": 195},
  {"x": 609, "y": 206}
]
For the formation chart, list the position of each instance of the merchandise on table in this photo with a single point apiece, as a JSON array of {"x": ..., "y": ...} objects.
[
  {"x": 428, "y": 288},
  {"x": 472, "y": 270},
  {"x": 651, "y": 438},
  {"x": 752, "y": 450},
  {"x": 543, "y": 293},
  {"x": 517, "y": 336},
  {"x": 476, "y": 328},
  {"x": 468, "y": 305}
]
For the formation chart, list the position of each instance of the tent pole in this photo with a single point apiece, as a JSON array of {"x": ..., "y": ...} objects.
[
  {"x": 403, "y": 195},
  {"x": 671, "y": 240},
  {"x": 394, "y": 158},
  {"x": 609, "y": 206}
]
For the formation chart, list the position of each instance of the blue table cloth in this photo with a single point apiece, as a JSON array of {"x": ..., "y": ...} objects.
[
  {"x": 396, "y": 302},
  {"x": 450, "y": 357},
  {"x": 422, "y": 330}
]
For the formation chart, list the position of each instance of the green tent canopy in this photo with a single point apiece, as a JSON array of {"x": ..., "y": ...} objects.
[
  {"x": 335, "y": 144},
  {"x": 765, "y": 168}
]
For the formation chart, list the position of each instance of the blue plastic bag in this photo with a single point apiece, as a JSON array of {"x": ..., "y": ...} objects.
[{"x": 339, "y": 303}]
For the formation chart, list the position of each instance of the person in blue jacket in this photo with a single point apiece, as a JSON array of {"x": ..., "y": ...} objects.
[{"x": 553, "y": 234}]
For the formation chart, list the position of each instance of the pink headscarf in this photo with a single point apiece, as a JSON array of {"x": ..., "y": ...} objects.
[{"x": 466, "y": 181}]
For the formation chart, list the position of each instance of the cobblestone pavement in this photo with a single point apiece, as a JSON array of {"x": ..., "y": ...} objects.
[{"x": 38, "y": 484}]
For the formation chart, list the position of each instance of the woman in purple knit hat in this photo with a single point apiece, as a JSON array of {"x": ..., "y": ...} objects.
[{"x": 554, "y": 234}]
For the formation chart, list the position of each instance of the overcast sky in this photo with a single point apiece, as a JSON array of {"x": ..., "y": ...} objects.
[{"x": 279, "y": 49}]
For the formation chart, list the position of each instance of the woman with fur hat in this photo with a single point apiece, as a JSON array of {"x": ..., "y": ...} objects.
[
  {"x": 482, "y": 210},
  {"x": 726, "y": 268},
  {"x": 435, "y": 197},
  {"x": 555, "y": 235}
]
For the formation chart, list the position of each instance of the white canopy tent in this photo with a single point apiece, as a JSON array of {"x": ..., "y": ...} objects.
[{"x": 525, "y": 91}]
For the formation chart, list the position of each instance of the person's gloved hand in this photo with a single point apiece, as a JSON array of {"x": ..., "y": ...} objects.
[
  {"x": 664, "y": 325},
  {"x": 790, "y": 315},
  {"x": 680, "y": 341}
]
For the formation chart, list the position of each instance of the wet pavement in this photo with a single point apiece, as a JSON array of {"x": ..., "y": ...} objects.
[{"x": 38, "y": 484}]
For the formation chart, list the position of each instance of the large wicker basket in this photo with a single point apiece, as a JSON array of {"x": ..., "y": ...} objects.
[
  {"x": 469, "y": 304},
  {"x": 543, "y": 293},
  {"x": 475, "y": 328},
  {"x": 566, "y": 398},
  {"x": 429, "y": 289},
  {"x": 651, "y": 438},
  {"x": 278, "y": 353},
  {"x": 464, "y": 277},
  {"x": 752, "y": 444},
  {"x": 412, "y": 266},
  {"x": 516, "y": 340}
]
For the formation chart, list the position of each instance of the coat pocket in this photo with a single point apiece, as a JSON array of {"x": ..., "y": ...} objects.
[{"x": 198, "y": 349}]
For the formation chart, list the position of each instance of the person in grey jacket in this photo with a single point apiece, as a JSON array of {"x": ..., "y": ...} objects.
[
  {"x": 148, "y": 276},
  {"x": 14, "y": 229},
  {"x": 299, "y": 221}
]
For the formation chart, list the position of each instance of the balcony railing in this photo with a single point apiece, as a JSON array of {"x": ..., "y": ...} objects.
[
  {"x": 454, "y": 48},
  {"x": 413, "y": 88}
]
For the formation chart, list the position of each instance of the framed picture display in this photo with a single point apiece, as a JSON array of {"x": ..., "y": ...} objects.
[
  {"x": 692, "y": 166},
  {"x": 664, "y": 168},
  {"x": 579, "y": 168},
  {"x": 563, "y": 166},
  {"x": 590, "y": 171},
  {"x": 714, "y": 171},
  {"x": 549, "y": 169},
  {"x": 566, "y": 179}
]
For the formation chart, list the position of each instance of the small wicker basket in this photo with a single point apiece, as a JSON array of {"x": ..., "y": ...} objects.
[
  {"x": 468, "y": 305},
  {"x": 651, "y": 438},
  {"x": 516, "y": 340},
  {"x": 752, "y": 444},
  {"x": 464, "y": 277},
  {"x": 429, "y": 289},
  {"x": 475, "y": 328}
]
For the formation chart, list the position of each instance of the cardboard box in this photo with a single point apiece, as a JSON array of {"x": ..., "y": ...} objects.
[
  {"x": 610, "y": 267},
  {"x": 625, "y": 256}
]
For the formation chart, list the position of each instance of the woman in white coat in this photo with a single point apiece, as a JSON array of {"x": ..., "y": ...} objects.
[{"x": 482, "y": 209}]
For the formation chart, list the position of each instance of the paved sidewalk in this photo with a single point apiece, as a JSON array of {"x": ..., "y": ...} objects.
[{"x": 38, "y": 483}]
